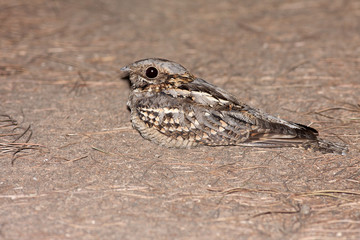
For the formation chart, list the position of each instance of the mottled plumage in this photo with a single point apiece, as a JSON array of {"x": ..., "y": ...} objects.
[{"x": 173, "y": 108}]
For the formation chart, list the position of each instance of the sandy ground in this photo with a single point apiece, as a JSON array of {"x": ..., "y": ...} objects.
[{"x": 71, "y": 166}]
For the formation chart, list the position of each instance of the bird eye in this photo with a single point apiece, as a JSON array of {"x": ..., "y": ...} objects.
[{"x": 151, "y": 72}]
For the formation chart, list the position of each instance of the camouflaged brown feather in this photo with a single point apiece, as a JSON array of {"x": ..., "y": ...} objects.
[{"x": 173, "y": 108}]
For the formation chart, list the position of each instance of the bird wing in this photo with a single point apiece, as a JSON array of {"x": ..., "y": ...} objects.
[
  {"x": 228, "y": 121},
  {"x": 233, "y": 125}
]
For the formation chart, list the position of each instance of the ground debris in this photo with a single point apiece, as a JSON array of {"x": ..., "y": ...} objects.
[{"x": 14, "y": 139}]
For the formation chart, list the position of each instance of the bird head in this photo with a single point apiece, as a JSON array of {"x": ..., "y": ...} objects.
[{"x": 155, "y": 71}]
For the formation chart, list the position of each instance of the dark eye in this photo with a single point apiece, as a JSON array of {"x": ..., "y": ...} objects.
[{"x": 151, "y": 72}]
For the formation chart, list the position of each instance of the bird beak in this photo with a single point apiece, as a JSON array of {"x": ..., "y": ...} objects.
[
  {"x": 125, "y": 72},
  {"x": 125, "y": 69}
]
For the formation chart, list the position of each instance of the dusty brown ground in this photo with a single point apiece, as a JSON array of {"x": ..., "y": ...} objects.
[{"x": 81, "y": 172}]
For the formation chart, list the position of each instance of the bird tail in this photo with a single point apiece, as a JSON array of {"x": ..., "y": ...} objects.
[
  {"x": 325, "y": 146},
  {"x": 316, "y": 145}
]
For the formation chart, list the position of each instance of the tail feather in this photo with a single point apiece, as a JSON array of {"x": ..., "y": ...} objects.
[
  {"x": 325, "y": 146},
  {"x": 319, "y": 145},
  {"x": 272, "y": 132}
]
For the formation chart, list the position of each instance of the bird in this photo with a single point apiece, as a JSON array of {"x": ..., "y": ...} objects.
[{"x": 173, "y": 108}]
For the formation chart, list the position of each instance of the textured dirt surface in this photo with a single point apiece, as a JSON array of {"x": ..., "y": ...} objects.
[{"x": 71, "y": 166}]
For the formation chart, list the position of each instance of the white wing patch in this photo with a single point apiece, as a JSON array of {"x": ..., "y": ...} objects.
[{"x": 207, "y": 99}]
